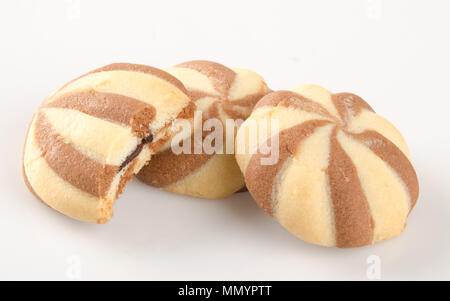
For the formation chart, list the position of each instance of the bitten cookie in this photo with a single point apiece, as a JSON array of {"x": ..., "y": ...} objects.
[
  {"x": 86, "y": 140},
  {"x": 343, "y": 175},
  {"x": 218, "y": 92}
]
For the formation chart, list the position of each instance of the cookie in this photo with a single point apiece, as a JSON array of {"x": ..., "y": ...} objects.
[
  {"x": 87, "y": 139},
  {"x": 219, "y": 93},
  {"x": 343, "y": 175}
]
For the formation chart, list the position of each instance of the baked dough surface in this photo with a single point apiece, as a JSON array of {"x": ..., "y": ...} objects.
[
  {"x": 80, "y": 138},
  {"x": 343, "y": 175}
]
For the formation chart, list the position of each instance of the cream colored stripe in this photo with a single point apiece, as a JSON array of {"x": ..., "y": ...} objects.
[
  {"x": 261, "y": 112},
  {"x": 193, "y": 80},
  {"x": 367, "y": 120},
  {"x": 387, "y": 195},
  {"x": 245, "y": 83},
  {"x": 238, "y": 111},
  {"x": 56, "y": 192},
  {"x": 165, "y": 97},
  {"x": 319, "y": 95},
  {"x": 104, "y": 141},
  {"x": 219, "y": 177},
  {"x": 203, "y": 104},
  {"x": 303, "y": 200},
  {"x": 286, "y": 117}
]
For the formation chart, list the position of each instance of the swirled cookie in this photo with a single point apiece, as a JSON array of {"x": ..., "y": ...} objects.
[
  {"x": 343, "y": 175},
  {"x": 219, "y": 93},
  {"x": 86, "y": 140}
]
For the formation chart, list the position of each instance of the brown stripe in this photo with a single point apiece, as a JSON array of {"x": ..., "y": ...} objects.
[
  {"x": 349, "y": 105},
  {"x": 24, "y": 174},
  {"x": 221, "y": 77},
  {"x": 230, "y": 107},
  {"x": 292, "y": 99},
  {"x": 242, "y": 108},
  {"x": 144, "y": 69},
  {"x": 25, "y": 177},
  {"x": 135, "y": 68},
  {"x": 353, "y": 220},
  {"x": 126, "y": 177},
  {"x": 250, "y": 100},
  {"x": 166, "y": 168},
  {"x": 71, "y": 165},
  {"x": 195, "y": 95},
  {"x": 260, "y": 179},
  {"x": 394, "y": 157},
  {"x": 113, "y": 107},
  {"x": 236, "y": 112},
  {"x": 212, "y": 112}
]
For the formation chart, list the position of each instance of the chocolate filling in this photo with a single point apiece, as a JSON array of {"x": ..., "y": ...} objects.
[
  {"x": 137, "y": 151},
  {"x": 243, "y": 189}
]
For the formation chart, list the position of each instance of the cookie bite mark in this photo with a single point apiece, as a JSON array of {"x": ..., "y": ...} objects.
[
  {"x": 137, "y": 151},
  {"x": 157, "y": 140},
  {"x": 109, "y": 106},
  {"x": 87, "y": 174},
  {"x": 87, "y": 139},
  {"x": 126, "y": 177},
  {"x": 167, "y": 168},
  {"x": 294, "y": 100},
  {"x": 188, "y": 111},
  {"x": 221, "y": 93},
  {"x": 349, "y": 105},
  {"x": 261, "y": 179},
  {"x": 220, "y": 76},
  {"x": 353, "y": 219},
  {"x": 394, "y": 157}
]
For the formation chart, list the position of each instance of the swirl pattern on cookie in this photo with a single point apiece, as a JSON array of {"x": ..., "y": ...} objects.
[
  {"x": 87, "y": 139},
  {"x": 218, "y": 92},
  {"x": 343, "y": 176}
]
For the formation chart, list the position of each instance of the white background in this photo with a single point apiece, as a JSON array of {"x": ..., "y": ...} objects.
[{"x": 395, "y": 54}]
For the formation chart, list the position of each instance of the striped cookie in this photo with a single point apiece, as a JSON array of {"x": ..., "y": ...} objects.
[
  {"x": 86, "y": 140},
  {"x": 343, "y": 175},
  {"x": 221, "y": 93}
]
